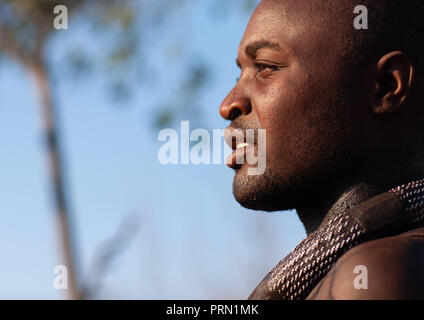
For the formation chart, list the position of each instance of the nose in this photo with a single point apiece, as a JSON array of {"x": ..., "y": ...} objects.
[{"x": 231, "y": 108}]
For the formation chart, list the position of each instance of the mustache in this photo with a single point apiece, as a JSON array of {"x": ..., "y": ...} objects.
[{"x": 244, "y": 126}]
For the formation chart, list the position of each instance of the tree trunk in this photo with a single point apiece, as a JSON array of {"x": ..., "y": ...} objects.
[{"x": 49, "y": 123}]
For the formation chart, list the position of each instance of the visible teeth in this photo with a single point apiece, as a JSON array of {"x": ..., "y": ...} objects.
[{"x": 242, "y": 145}]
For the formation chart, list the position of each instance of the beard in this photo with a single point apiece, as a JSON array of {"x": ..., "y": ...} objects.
[
  {"x": 266, "y": 192},
  {"x": 290, "y": 187}
]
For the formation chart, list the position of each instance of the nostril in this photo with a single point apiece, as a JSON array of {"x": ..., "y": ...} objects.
[
  {"x": 235, "y": 113},
  {"x": 233, "y": 107}
]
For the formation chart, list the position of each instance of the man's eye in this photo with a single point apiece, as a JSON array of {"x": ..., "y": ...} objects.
[{"x": 261, "y": 67}]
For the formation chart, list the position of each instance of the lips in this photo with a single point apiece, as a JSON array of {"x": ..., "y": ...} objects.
[{"x": 235, "y": 138}]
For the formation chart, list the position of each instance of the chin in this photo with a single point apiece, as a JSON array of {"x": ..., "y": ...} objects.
[{"x": 266, "y": 192}]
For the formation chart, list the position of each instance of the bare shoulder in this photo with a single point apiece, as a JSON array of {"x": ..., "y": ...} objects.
[{"x": 387, "y": 268}]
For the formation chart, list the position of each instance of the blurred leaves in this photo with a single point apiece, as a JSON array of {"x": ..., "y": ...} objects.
[
  {"x": 186, "y": 101},
  {"x": 118, "y": 34},
  {"x": 26, "y": 30},
  {"x": 78, "y": 63},
  {"x": 219, "y": 9},
  {"x": 26, "y": 25},
  {"x": 248, "y": 5}
]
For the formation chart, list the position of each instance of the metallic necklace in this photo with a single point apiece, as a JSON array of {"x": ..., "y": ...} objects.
[{"x": 390, "y": 213}]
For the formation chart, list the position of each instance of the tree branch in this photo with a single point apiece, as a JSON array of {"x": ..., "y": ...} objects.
[{"x": 11, "y": 46}]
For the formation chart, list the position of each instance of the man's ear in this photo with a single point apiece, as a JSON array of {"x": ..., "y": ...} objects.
[{"x": 394, "y": 81}]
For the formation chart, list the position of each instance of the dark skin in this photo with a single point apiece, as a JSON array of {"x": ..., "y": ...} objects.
[
  {"x": 394, "y": 267},
  {"x": 332, "y": 126}
]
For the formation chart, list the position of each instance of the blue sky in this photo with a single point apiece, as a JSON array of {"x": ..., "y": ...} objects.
[{"x": 194, "y": 241}]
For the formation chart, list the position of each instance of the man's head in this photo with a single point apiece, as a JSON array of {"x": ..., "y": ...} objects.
[{"x": 337, "y": 103}]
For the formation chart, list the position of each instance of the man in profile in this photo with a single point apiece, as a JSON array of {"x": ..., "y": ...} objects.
[{"x": 343, "y": 114}]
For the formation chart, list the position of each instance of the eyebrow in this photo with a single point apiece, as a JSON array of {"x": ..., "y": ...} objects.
[{"x": 252, "y": 49}]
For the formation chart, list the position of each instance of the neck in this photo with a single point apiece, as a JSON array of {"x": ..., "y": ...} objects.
[{"x": 322, "y": 208}]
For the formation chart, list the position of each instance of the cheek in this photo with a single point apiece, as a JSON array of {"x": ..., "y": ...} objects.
[
  {"x": 275, "y": 103},
  {"x": 299, "y": 121}
]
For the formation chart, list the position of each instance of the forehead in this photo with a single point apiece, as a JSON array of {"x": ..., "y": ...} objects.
[{"x": 300, "y": 26}]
